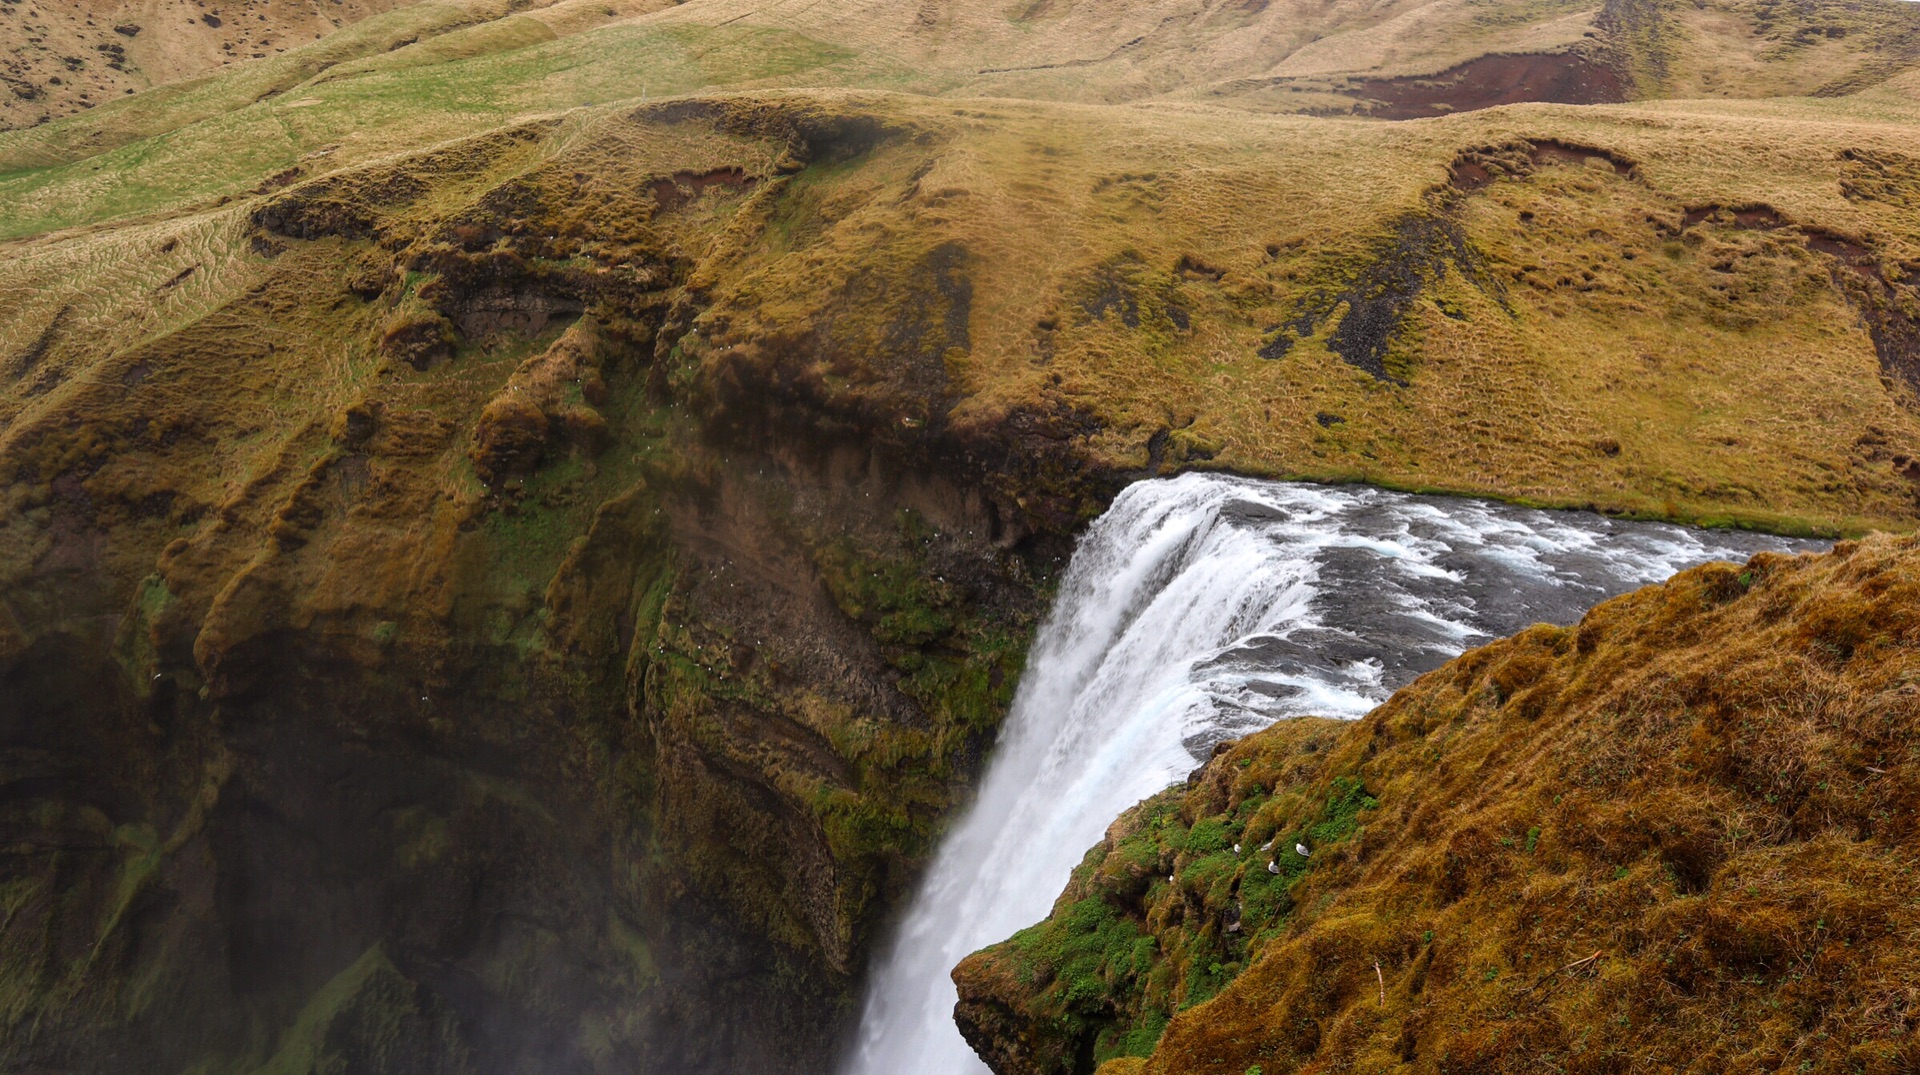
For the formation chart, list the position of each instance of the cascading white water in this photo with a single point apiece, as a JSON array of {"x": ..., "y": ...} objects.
[{"x": 1201, "y": 608}]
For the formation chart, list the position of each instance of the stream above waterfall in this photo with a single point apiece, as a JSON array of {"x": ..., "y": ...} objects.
[{"x": 1199, "y": 609}]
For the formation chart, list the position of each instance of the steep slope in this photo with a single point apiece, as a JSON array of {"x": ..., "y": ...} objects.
[
  {"x": 1679, "y": 836},
  {"x": 456, "y": 653}
]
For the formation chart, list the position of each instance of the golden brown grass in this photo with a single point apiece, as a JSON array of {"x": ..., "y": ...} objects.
[
  {"x": 429, "y": 71},
  {"x": 1600, "y": 361},
  {"x": 1600, "y": 352},
  {"x": 1678, "y": 836},
  {"x": 67, "y": 57}
]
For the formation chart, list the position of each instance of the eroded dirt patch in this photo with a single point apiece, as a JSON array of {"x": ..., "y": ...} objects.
[
  {"x": 1886, "y": 297},
  {"x": 683, "y": 188},
  {"x": 1476, "y": 169},
  {"x": 1490, "y": 81}
]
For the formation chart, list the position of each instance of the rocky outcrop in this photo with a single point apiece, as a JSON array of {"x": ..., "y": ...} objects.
[
  {"x": 1692, "y": 810},
  {"x": 574, "y": 699}
]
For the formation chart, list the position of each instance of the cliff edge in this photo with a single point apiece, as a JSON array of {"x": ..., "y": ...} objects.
[{"x": 1678, "y": 836}]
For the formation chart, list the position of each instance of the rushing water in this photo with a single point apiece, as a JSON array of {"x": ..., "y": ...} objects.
[{"x": 1201, "y": 608}]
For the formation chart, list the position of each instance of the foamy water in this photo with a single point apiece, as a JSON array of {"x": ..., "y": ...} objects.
[{"x": 1201, "y": 608}]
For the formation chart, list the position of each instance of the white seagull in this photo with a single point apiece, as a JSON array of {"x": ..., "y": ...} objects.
[{"x": 1302, "y": 850}]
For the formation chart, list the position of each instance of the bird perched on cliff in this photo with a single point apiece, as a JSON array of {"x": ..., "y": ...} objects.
[
  {"x": 1268, "y": 846},
  {"x": 1301, "y": 849},
  {"x": 1236, "y": 847},
  {"x": 1273, "y": 866}
]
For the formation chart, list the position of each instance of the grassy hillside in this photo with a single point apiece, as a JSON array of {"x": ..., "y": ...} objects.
[
  {"x": 67, "y": 57},
  {"x": 1678, "y": 836},
  {"x": 1649, "y": 310},
  {"x": 436, "y": 70}
]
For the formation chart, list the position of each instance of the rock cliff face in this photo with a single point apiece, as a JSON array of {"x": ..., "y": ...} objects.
[
  {"x": 1680, "y": 833},
  {"x": 523, "y": 695}
]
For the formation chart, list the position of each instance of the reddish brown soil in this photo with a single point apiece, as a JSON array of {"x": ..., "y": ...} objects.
[
  {"x": 1477, "y": 168},
  {"x": 1488, "y": 81},
  {"x": 682, "y": 188}
]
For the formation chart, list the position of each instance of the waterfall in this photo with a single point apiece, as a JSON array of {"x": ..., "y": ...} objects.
[{"x": 1201, "y": 608}]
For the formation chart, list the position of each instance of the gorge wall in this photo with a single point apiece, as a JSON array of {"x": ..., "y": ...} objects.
[{"x": 527, "y": 698}]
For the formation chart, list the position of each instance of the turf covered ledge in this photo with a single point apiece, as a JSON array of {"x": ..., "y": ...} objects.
[{"x": 1682, "y": 830}]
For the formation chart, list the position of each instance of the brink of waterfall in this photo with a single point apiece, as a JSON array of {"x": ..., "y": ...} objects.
[{"x": 1202, "y": 608}]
